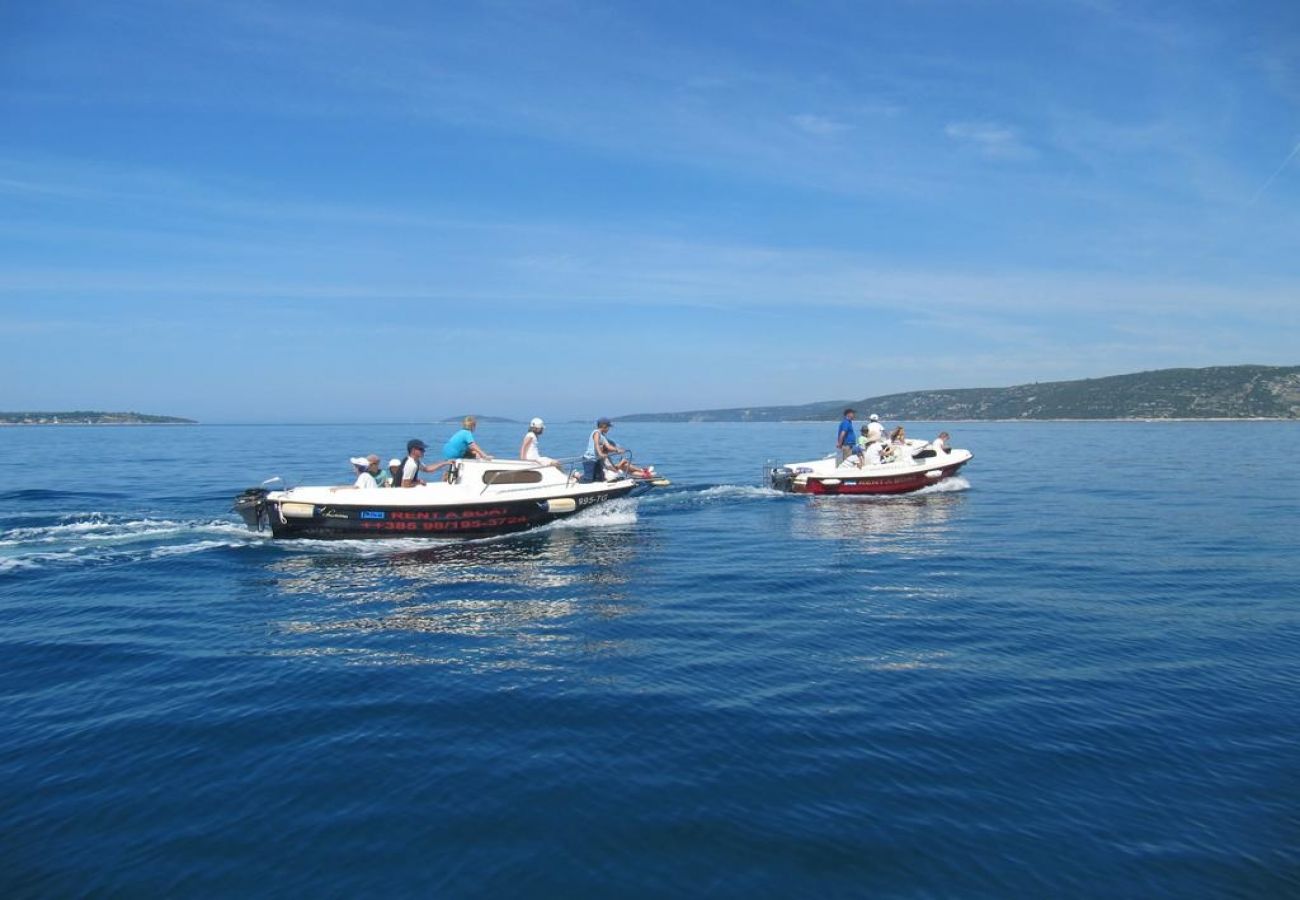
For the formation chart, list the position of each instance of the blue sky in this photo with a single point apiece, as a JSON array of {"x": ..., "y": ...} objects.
[{"x": 401, "y": 211}]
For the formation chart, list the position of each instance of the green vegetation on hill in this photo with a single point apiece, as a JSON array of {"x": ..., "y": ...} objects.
[
  {"x": 1221, "y": 392},
  {"x": 85, "y": 417}
]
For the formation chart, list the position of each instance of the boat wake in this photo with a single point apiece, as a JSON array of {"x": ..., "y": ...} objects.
[
  {"x": 947, "y": 486},
  {"x": 81, "y": 539},
  {"x": 39, "y": 542},
  {"x": 708, "y": 495}
]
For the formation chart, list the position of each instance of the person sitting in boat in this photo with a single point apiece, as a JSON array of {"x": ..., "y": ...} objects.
[
  {"x": 873, "y": 453},
  {"x": 365, "y": 479},
  {"x": 529, "y": 448},
  {"x": 394, "y": 476},
  {"x": 936, "y": 447},
  {"x": 414, "y": 464},
  {"x": 875, "y": 431},
  {"x": 625, "y": 468},
  {"x": 897, "y": 449},
  {"x": 844, "y": 436},
  {"x": 599, "y": 447},
  {"x": 372, "y": 467},
  {"x": 462, "y": 444}
]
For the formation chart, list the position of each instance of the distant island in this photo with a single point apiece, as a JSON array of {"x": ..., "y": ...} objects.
[
  {"x": 496, "y": 420},
  {"x": 84, "y": 417},
  {"x": 1220, "y": 392}
]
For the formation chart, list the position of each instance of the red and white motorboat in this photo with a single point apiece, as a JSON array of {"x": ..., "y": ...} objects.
[{"x": 918, "y": 466}]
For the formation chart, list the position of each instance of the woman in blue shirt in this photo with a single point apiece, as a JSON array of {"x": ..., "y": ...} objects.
[{"x": 462, "y": 445}]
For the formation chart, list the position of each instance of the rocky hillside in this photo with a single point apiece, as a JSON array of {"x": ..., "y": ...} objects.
[{"x": 1221, "y": 392}]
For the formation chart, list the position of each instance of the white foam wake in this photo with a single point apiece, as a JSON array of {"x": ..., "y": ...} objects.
[
  {"x": 94, "y": 538},
  {"x": 947, "y": 486}
]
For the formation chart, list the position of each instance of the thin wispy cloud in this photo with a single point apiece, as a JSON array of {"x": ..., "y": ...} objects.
[
  {"x": 991, "y": 140},
  {"x": 821, "y": 126}
]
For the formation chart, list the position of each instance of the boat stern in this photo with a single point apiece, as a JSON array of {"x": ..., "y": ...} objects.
[{"x": 252, "y": 508}]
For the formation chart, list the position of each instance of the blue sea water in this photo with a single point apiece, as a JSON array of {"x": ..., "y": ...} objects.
[{"x": 1072, "y": 672}]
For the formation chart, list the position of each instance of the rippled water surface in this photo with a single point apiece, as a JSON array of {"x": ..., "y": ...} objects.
[{"x": 1071, "y": 672}]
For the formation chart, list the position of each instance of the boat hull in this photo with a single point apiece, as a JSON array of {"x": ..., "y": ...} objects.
[
  {"x": 483, "y": 501},
  {"x": 823, "y": 478}
]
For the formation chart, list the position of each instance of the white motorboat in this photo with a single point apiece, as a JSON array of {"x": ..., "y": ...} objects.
[
  {"x": 477, "y": 498},
  {"x": 917, "y": 465}
]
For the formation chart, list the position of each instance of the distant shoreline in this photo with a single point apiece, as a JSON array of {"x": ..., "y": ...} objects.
[
  {"x": 817, "y": 422},
  {"x": 962, "y": 421},
  {"x": 97, "y": 424}
]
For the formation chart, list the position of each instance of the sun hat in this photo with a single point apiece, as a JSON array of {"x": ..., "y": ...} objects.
[
  {"x": 536, "y": 423},
  {"x": 360, "y": 461},
  {"x": 394, "y": 462},
  {"x": 414, "y": 444},
  {"x": 874, "y": 417},
  {"x": 603, "y": 421}
]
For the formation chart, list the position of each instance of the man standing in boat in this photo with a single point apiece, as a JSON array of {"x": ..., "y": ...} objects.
[
  {"x": 599, "y": 447},
  {"x": 845, "y": 440}
]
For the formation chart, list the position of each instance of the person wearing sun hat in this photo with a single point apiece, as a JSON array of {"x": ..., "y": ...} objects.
[
  {"x": 599, "y": 447},
  {"x": 364, "y": 479}
]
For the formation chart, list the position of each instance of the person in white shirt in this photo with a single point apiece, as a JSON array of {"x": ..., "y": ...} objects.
[
  {"x": 935, "y": 447},
  {"x": 898, "y": 450},
  {"x": 414, "y": 464},
  {"x": 529, "y": 448},
  {"x": 875, "y": 431},
  {"x": 364, "y": 479}
]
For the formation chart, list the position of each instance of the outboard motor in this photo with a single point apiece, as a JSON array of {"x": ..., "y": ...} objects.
[
  {"x": 781, "y": 478},
  {"x": 251, "y": 506}
]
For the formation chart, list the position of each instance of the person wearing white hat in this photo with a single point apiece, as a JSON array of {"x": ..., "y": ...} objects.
[
  {"x": 394, "y": 477},
  {"x": 875, "y": 431},
  {"x": 529, "y": 448},
  {"x": 364, "y": 479}
]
